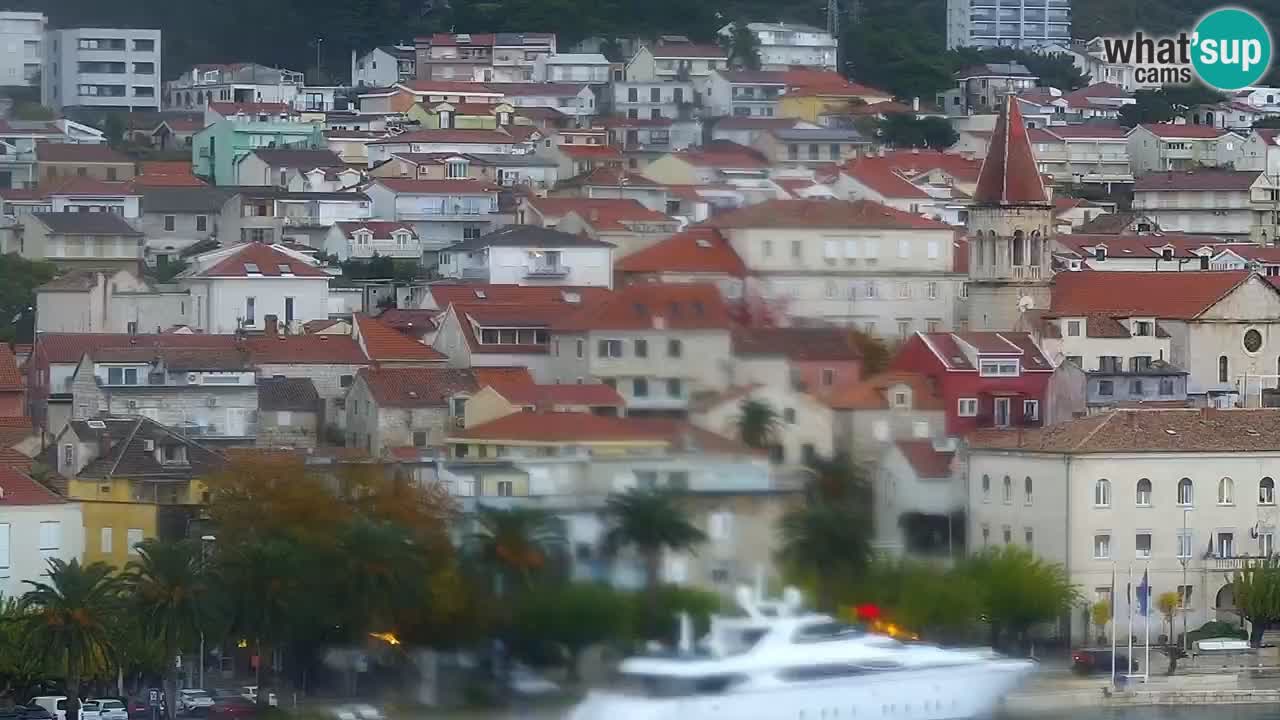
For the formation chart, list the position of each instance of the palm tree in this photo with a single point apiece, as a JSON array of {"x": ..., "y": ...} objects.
[
  {"x": 743, "y": 47},
  {"x": 651, "y": 522},
  {"x": 265, "y": 580},
  {"x": 839, "y": 480},
  {"x": 828, "y": 543},
  {"x": 168, "y": 585},
  {"x": 67, "y": 619},
  {"x": 382, "y": 570},
  {"x": 758, "y": 424},
  {"x": 516, "y": 542}
]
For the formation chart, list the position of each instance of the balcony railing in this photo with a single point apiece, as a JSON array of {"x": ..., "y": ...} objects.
[
  {"x": 387, "y": 249},
  {"x": 1235, "y": 562},
  {"x": 547, "y": 271},
  {"x": 475, "y": 273}
]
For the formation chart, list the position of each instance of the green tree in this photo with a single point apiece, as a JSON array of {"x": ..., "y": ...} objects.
[
  {"x": 651, "y": 521},
  {"x": 908, "y": 131},
  {"x": 266, "y": 583},
  {"x": 1018, "y": 590},
  {"x": 114, "y": 128},
  {"x": 655, "y": 615},
  {"x": 67, "y": 620},
  {"x": 1167, "y": 603},
  {"x": 169, "y": 591},
  {"x": 1256, "y": 589},
  {"x": 573, "y": 617},
  {"x": 742, "y": 46},
  {"x": 758, "y": 424},
  {"x": 935, "y": 602},
  {"x": 827, "y": 545},
  {"x": 839, "y": 480},
  {"x": 1165, "y": 104},
  {"x": 1100, "y": 613},
  {"x": 19, "y": 278},
  {"x": 381, "y": 565},
  {"x": 515, "y": 545}
]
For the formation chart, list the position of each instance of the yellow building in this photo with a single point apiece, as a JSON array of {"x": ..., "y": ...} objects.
[
  {"x": 811, "y": 102},
  {"x": 135, "y": 480},
  {"x": 462, "y": 115}
]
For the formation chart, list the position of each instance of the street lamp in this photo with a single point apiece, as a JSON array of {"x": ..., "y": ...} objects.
[{"x": 205, "y": 542}]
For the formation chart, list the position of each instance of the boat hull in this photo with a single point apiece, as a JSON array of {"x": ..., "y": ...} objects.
[{"x": 944, "y": 693}]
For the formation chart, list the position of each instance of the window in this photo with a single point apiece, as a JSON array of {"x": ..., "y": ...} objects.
[
  {"x": 1267, "y": 491},
  {"x": 1102, "y": 493},
  {"x": 1073, "y": 328},
  {"x": 904, "y": 328},
  {"x": 1184, "y": 594},
  {"x": 1266, "y": 543},
  {"x": 1143, "y": 495},
  {"x": 134, "y": 538},
  {"x": 1029, "y": 536},
  {"x": 789, "y": 416},
  {"x": 766, "y": 247},
  {"x": 675, "y": 388},
  {"x": 1008, "y": 490},
  {"x": 1142, "y": 543},
  {"x": 1226, "y": 546},
  {"x": 1102, "y": 547},
  {"x": 1007, "y": 533},
  {"x": 50, "y": 538},
  {"x": 986, "y": 534},
  {"x": 828, "y": 377},
  {"x": 986, "y": 488},
  {"x": 1135, "y": 387},
  {"x": 904, "y": 290},
  {"x": 250, "y": 311},
  {"x": 1252, "y": 340},
  {"x": 641, "y": 347},
  {"x": 505, "y": 488},
  {"x": 581, "y": 347},
  {"x": 202, "y": 223},
  {"x": 1030, "y": 410},
  {"x": 1106, "y": 388},
  {"x": 105, "y": 540},
  {"x": 931, "y": 289},
  {"x": 968, "y": 407},
  {"x": 609, "y": 349},
  {"x": 793, "y": 152},
  {"x": 419, "y": 438},
  {"x": 674, "y": 348},
  {"x": 655, "y": 94},
  {"x": 1143, "y": 328},
  {"x": 1184, "y": 543},
  {"x": 4, "y": 548},
  {"x": 814, "y": 151},
  {"x": 456, "y": 170},
  {"x": 640, "y": 387},
  {"x": 1226, "y": 491},
  {"x": 1223, "y": 369},
  {"x": 345, "y": 381},
  {"x": 1166, "y": 386},
  {"x": 998, "y": 368},
  {"x": 1186, "y": 492},
  {"x": 143, "y": 46},
  {"x": 796, "y": 250}
]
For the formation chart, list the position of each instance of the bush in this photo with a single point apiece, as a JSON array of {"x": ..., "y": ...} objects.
[
  {"x": 655, "y": 616},
  {"x": 1217, "y": 629}
]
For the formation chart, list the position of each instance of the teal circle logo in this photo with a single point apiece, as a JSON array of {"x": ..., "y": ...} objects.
[{"x": 1231, "y": 49}]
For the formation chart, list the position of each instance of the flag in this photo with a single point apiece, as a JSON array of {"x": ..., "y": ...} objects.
[{"x": 1144, "y": 595}]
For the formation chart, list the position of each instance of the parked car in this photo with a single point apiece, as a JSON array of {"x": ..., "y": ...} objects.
[
  {"x": 34, "y": 712},
  {"x": 232, "y": 708},
  {"x": 103, "y": 709},
  {"x": 364, "y": 711},
  {"x": 56, "y": 705},
  {"x": 524, "y": 681},
  {"x": 192, "y": 700},
  {"x": 1087, "y": 661},
  {"x": 250, "y": 693}
]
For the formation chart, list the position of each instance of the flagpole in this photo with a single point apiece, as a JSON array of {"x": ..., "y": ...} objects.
[
  {"x": 1146, "y": 663},
  {"x": 1128, "y": 671},
  {"x": 1114, "y": 601}
]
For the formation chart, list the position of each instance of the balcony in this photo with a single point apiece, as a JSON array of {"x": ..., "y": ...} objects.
[
  {"x": 465, "y": 214},
  {"x": 547, "y": 271},
  {"x": 1025, "y": 272},
  {"x": 1234, "y": 562},
  {"x": 304, "y": 221},
  {"x": 475, "y": 272},
  {"x": 409, "y": 250}
]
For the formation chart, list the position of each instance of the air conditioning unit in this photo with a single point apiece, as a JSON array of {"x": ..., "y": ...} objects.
[
  {"x": 212, "y": 402},
  {"x": 131, "y": 404},
  {"x": 149, "y": 445}
]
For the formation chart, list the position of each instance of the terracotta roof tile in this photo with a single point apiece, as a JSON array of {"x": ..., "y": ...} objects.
[
  {"x": 506, "y": 316},
  {"x": 606, "y": 152},
  {"x": 1169, "y": 296},
  {"x": 1009, "y": 173},
  {"x": 299, "y": 159},
  {"x": 10, "y": 377},
  {"x": 915, "y": 162},
  {"x": 1196, "y": 180},
  {"x": 575, "y": 428},
  {"x": 82, "y": 153},
  {"x": 824, "y": 214},
  {"x": 696, "y": 249},
  {"x": 409, "y": 321},
  {"x": 418, "y": 387},
  {"x": 1156, "y": 430},
  {"x": 653, "y": 305},
  {"x": 76, "y": 185},
  {"x": 871, "y": 393},
  {"x": 447, "y": 293},
  {"x": 71, "y": 347},
  {"x": 925, "y": 460},
  {"x": 879, "y": 174},
  {"x": 292, "y": 394},
  {"x": 1177, "y": 131},
  {"x": 268, "y": 260},
  {"x": 306, "y": 350},
  {"x": 724, "y": 155},
  {"x": 486, "y": 137},
  {"x": 382, "y": 343},
  {"x": 17, "y": 488},
  {"x": 798, "y": 343}
]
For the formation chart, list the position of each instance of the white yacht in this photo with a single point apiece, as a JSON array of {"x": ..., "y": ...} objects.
[{"x": 780, "y": 663}]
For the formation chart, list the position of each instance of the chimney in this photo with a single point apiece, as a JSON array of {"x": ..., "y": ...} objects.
[{"x": 271, "y": 325}]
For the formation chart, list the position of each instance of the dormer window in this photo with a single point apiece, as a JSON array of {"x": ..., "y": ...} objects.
[
  {"x": 1166, "y": 254},
  {"x": 1073, "y": 328},
  {"x": 456, "y": 170},
  {"x": 362, "y": 237},
  {"x": 1143, "y": 328},
  {"x": 401, "y": 238},
  {"x": 998, "y": 368},
  {"x": 900, "y": 397},
  {"x": 1100, "y": 253}
]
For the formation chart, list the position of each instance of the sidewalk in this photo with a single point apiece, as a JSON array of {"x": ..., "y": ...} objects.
[{"x": 1055, "y": 690}]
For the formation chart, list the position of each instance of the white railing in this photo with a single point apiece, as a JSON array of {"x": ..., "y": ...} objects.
[{"x": 387, "y": 249}]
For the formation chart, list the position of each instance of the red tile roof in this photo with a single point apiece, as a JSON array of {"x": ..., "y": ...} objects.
[
  {"x": 1170, "y": 296},
  {"x": 915, "y": 162},
  {"x": 612, "y": 177},
  {"x": 1206, "y": 179},
  {"x": 446, "y": 293},
  {"x": 925, "y": 460},
  {"x": 158, "y": 180},
  {"x": 884, "y": 107},
  {"x": 10, "y": 377},
  {"x": 409, "y": 321},
  {"x": 824, "y": 214},
  {"x": 808, "y": 81},
  {"x": 871, "y": 393},
  {"x": 544, "y": 89},
  {"x": 183, "y": 124},
  {"x": 381, "y": 229},
  {"x": 960, "y": 254},
  {"x": 513, "y": 315},
  {"x": 947, "y": 348},
  {"x": 591, "y": 151},
  {"x": 754, "y": 123},
  {"x": 306, "y": 350},
  {"x": 406, "y": 387},
  {"x": 574, "y": 428},
  {"x": 411, "y": 186},
  {"x": 71, "y": 347},
  {"x": 1009, "y": 173},
  {"x": 614, "y": 215},
  {"x": 550, "y": 397},
  {"x": 486, "y": 137},
  {"x": 1179, "y": 131},
  {"x": 615, "y": 208},
  {"x": 383, "y": 343},
  {"x": 268, "y": 259},
  {"x": 696, "y": 249},
  {"x": 77, "y": 185},
  {"x": 879, "y": 174},
  {"x": 688, "y": 50},
  {"x": 1194, "y": 430},
  {"x": 448, "y": 87},
  {"x": 1139, "y": 246},
  {"x": 802, "y": 344},
  {"x": 19, "y": 489},
  {"x": 724, "y": 154},
  {"x": 653, "y": 305},
  {"x": 1090, "y": 132},
  {"x": 79, "y": 153},
  {"x": 451, "y": 39}
]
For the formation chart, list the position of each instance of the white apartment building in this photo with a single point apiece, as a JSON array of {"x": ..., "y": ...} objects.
[
  {"x": 1022, "y": 24},
  {"x": 36, "y": 525},
  {"x": 1235, "y": 204},
  {"x": 590, "y": 68},
  {"x": 21, "y": 47},
  {"x": 1187, "y": 495},
  {"x": 106, "y": 69},
  {"x": 785, "y": 45}
]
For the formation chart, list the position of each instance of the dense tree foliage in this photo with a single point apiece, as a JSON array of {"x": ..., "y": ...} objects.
[
  {"x": 1165, "y": 104},
  {"x": 901, "y": 130},
  {"x": 758, "y": 424},
  {"x": 19, "y": 278},
  {"x": 1017, "y": 590},
  {"x": 1256, "y": 589},
  {"x": 650, "y": 522},
  {"x": 825, "y": 544}
]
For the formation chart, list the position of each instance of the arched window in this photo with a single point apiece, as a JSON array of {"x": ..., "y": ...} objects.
[
  {"x": 1186, "y": 492},
  {"x": 1019, "y": 248},
  {"x": 991, "y": 248},
  {"x": 1036, "y": 249},
  {"x": 1267, "y": 491},
  {"x": 1102, "y": 493},
  {"x": 1008, "y": 490},
  {"x": 1223, "y": 369},
  {"x": 199, "y": 97},
  {"x": 1144, "y": 493},
  {"x": 1226, "y": 491},
  {"x": 986, "y": 488},
  {"x": 1027, "y": 486},
  {"x": 978, "y": 240}
]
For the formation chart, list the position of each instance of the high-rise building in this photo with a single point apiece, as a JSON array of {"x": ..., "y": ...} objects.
[
  {"x": 1022, "y": 24},
  {"x": 21, "y": 54},
  {"x": 108, "y": 69}
]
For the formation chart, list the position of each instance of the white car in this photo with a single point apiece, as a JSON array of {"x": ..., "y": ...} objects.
[
  {"x": 55, "y": 704},
  {"x": 193, "y": 699},
  {"x": 250, "y": 693},
  {"x": 103, "y": 710}
]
